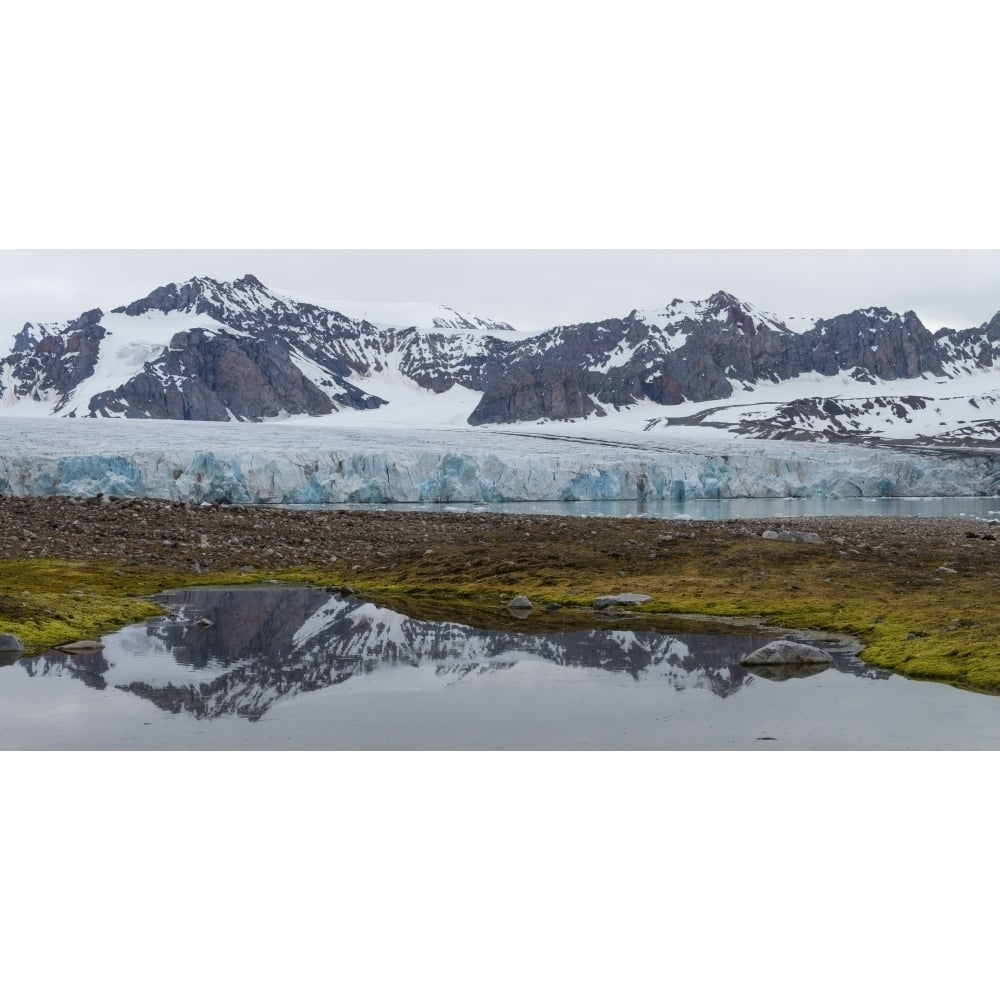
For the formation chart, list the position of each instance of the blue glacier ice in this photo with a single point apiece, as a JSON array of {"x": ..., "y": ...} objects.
[{"x": 314, "y": 464}]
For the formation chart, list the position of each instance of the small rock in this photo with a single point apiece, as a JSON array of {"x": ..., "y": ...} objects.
[
  {"x": 519, "y": 603},
  {"x": 792, "y": 536},
  {"x": 83, "y": 646},
  {"x": 809, "y": 537},
  {"x": 10, "y": 649},
  {"x": 609, "y": 600},
  {"x": 10, "y": 643}
]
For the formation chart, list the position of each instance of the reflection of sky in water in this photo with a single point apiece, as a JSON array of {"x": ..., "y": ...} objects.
[{"x": 296, "y": 667}]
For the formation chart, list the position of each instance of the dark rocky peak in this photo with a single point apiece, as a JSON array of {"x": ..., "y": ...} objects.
[
  {"x": 90, "y": 318},
  {"x": 54, "y": 337},
  {"x": 167, "y": 298},
  {"x": 872, "y": 321},
  {"x": 724, "y": 308},
  {"x": 250, "y": 281},
  {"x": 221, "y": 300},
  {"x": 880, "y": 314},
  {"x": 722, "y": 300},
  {"x": 26, "y": 338}
]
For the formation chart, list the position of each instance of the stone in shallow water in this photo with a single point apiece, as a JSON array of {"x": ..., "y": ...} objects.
[
  {"x": 10, "y": 648},
  {"x": 786, "y": 652},
  {"x": 83, "y": 646},
  {"x": 519, "y": 603}
]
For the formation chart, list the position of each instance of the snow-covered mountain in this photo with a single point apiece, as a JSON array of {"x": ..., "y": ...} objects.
[{"x": 217, "y": 350}]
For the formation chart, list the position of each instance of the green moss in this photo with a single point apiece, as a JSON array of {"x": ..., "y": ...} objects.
[
  {"x": 46, "y": 602},
  {"x": 920, "y": 628}
]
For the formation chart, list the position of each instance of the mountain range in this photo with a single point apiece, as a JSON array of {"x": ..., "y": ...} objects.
[{"x": 216, "y": 350}]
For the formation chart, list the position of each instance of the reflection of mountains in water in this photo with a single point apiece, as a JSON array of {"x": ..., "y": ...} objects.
[{"x": 267, "y": 644}]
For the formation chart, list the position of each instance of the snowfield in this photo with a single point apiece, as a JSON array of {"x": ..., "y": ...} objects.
[{"x": 330, "y": 461}]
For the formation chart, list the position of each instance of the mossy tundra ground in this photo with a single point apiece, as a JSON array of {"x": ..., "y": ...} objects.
[{"x": 917, "y": 592}]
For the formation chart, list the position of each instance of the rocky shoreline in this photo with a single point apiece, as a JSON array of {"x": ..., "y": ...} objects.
[{"x": 192, "y": 538}]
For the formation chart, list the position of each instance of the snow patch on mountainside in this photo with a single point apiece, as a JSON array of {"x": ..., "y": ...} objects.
[{"x": 410, "y": 405}]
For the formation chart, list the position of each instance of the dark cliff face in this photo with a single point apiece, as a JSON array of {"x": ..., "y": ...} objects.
[
  {"x": 217, "y": 377},
  {"x": 726, "y": 347},
  {"x": 542, "y": 391},
  {"x": 54, "y": 360},
  {"x": 882, "y": 343}
]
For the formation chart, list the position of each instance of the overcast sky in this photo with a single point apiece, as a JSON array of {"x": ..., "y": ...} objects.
[{"x": 532, "y": 289}]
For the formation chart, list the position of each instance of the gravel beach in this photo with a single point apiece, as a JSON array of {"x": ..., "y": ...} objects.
[{"x": 195, "y": 539}]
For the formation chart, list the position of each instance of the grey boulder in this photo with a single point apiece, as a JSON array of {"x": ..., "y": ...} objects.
[
  {"x": 10, "y": 648},
  {"x": 784, "y": 652},
  {"x": 792, "y": 536},
  {"x": 628, "y": 600}
]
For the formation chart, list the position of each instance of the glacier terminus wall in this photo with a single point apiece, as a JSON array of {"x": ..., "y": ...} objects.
[{"x": 322, "y": 463}]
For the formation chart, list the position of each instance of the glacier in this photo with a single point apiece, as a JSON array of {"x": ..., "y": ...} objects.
[{"x": 326, "y": 463}]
